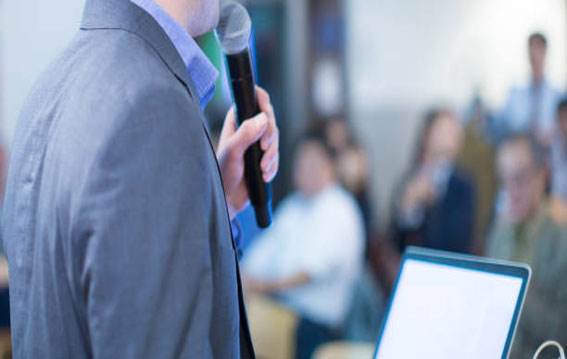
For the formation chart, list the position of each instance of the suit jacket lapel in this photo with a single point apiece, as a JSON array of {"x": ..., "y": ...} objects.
[{"x": 124, "y": 15}]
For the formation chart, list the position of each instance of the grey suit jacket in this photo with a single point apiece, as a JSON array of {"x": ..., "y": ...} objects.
[{"x": 115, "y": 223}]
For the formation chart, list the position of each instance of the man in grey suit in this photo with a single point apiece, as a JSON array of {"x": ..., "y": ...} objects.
[{"x": 115, "y": 222}]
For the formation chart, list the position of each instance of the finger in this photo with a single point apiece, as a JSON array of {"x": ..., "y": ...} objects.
[
  {"x": 265, "y": 105},
  {"x": 249, "y": 132},
  {"x": 273, "y": 170},
  {"x": 229, "y": 126},
  {"x": 263, "y": 99},
  {"x": 271, "y": 134},
  {"x": 269, "y": 157}
]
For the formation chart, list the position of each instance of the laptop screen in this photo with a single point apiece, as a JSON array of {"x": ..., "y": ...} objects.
[{"x": 444, "y": 312}]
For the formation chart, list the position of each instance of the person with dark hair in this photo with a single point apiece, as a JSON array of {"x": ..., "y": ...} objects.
[
  {"x": 530, "y": 109},
  {"x": 352, "y": 165},
  {"x": 526, "y": 232},
  {"x": 537, "y": 37},
  {"x": 435, "y": 204},
  {"x": 314, "y": 251}
]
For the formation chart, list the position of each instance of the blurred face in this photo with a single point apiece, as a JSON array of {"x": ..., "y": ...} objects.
[
  {"x": 444, "y": 139},
  {"x": 537, "y": 51},
  {"x": 523, "y": 183},
  {"x": 337, "y": 133},
  {"x": 353, "y": 169},
  {"x": 313, "y": 169}
]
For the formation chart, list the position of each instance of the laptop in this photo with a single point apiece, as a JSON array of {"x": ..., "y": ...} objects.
[{"x": 446, "y": 306}]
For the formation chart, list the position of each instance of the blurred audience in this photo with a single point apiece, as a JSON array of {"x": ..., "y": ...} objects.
[
  {"x": 559, "y": 166},
  {"x": 559, "y": 154},
  {"x": 312, "y": 256},
  {"x": 352, "y": 165},
  {"x": 531, "y": 109},
  {"x": 435, "y": 204},
  {"x": 477, "y": 159},
  {"x": 526, "y": 232}
]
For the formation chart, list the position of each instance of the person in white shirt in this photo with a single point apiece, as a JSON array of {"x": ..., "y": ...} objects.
[
  {"x": 311, "y": 257},
  {"x": 531, "y": 109}
]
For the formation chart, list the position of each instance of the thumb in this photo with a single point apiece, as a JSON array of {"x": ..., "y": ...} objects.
[{"x": 249, "y": 132}]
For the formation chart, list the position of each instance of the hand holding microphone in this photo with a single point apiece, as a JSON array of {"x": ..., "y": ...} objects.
[
  {"x": 233, "y": 143},
  {"x": 248, "y": 149}
]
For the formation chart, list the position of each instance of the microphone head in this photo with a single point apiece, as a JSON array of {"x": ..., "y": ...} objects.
[{"x": 233, "y": 30}]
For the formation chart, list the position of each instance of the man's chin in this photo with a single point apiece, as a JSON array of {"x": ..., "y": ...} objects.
[
  {"x": 207, "y": 21},
  {"x": 210, "y": 26},
  {"x": 214, "y": 19},
  {"x": 203, "y": 30}
]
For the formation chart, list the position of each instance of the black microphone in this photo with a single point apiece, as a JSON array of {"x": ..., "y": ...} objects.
[{"x": 233, "y": 34}]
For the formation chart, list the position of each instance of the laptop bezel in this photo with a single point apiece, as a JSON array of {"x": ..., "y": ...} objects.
[{"x": 465, "y": 261}]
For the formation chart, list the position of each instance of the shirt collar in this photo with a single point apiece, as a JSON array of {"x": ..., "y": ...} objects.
[{"x": 201, "y": 70}]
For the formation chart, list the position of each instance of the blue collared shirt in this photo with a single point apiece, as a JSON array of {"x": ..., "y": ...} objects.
[
  {"x": 201, "y": 70},
  {"x": 528, "y": 109}
]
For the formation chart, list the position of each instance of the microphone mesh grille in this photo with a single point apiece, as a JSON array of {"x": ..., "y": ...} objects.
[{"x": 233, "y": 30}]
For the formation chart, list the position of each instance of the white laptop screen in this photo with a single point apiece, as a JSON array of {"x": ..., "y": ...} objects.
[{"x": 445, "y": 312}]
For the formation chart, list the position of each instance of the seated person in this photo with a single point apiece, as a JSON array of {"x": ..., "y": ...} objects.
[
  {"x": 435, "y": 204},
  {"x": 312, "y": 256},
  {"x": 525, "y": 232}
]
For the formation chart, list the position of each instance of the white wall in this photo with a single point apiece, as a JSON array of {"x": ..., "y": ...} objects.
[
  {"x": 34, "y": 32},
  {"x": 404, "y": 56}
]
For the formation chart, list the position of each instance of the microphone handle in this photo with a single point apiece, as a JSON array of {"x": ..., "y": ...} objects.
[{"x": 246, "y": 107}]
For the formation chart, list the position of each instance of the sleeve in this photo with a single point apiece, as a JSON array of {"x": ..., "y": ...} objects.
[
  {"x": 144, "y": 221},
  {"x": 405, "y": 228},
  {"x": 544, "y": 315},
  {"x": 467, "y": 217},
  {"x": 261, "y": 258},
  {"x": 491, "y": 248}
]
